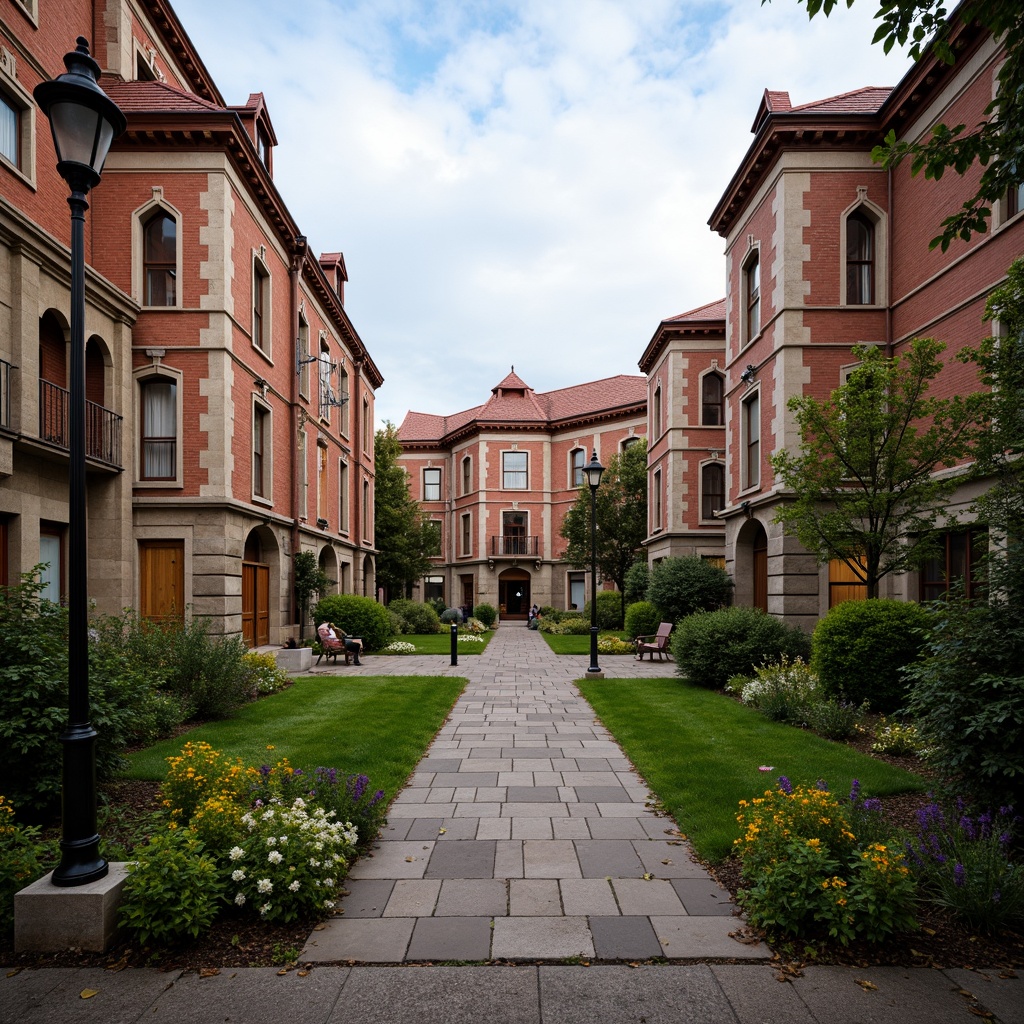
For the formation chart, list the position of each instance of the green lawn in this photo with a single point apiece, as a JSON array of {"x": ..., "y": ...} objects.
[
  {"x": 700, "y": 752},
  {"x": 441, "y": 643},
  {"x": 377, "y": 725},
  {"x": 580, "y": 644}
]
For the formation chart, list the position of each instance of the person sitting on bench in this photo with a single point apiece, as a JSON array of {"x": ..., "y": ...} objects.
[{"x": 352, "y": 643}]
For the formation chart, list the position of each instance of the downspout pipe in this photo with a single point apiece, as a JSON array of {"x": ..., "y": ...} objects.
[{"x": 300, "y": 250}]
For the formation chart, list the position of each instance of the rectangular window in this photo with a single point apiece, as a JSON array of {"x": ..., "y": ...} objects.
[
  {"x": 324, "y": 377},
  {"x": 343, "y": 497},
  {"x": 431, "y": 485},
  {"x": 260, "y": 451},
  {"x": 433, "y": 588},
  {"x": 467, "y": 534},
  {"x": 367, "y": 427},
  {"x": 751, "y": 426},
  {"x": 303, "y": 357},
  {"x": 343, "y": 398},
  {"x": 752, "y": 288},
  {"x": 159, "y": 443},
  {"x": 958, "y": 561},
  {"x": 656, "y": 495},
  {"x": 51, "y": 554},
  {"x": 322, "y": 494},
  {"x": 10, "y": 130},
  {"x": 579, "y": 457},
  {"x": 467, "y": 475},
  {"x": 514, "y": 540},
  {"x": 712, "y": 489},
  {"x": 514, "y": 476},
  {"x": 302, "y": 459},
  {"x": 656, "y": 414},
  {"x": 160, "y": 256},
  {"x": 260, "y": 308},
  {"x": 1015, "y": 200}
]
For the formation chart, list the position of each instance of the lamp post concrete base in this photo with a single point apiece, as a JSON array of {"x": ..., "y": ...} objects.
[
  {"x": 48, "y": 917},
  {"x": 294, "y": 659}
]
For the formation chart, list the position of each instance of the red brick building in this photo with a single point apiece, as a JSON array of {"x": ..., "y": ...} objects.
[
  {"x": 499, "y": 479},
  {"x": 824, "y": 250},
  {"x": 231, "y": 398}
]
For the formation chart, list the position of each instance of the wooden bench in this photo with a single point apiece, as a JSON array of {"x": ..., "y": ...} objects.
[
  {"x": 331, "y": 647},
  {"x": 654, "y": 643}
]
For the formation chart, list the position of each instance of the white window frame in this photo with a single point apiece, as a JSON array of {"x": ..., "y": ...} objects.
[
  {"x": 323, "y": 376},
  {"x": 467, "y": 475},
  {"x": 262, "y": 284},
  {"x": 747, "y": 334},
  {"x": 141, "y": 376},
  {"x": 711, "y": 372},
  {"x": 466, "y": 534},
  {"x": 264, "y": 408},
  {"x": 303, "y": 354},
  {"x": 876, "y": 215},
  {"x": 526, "y": 456},
  {"x": 431, "y": 470},
  {"x": 343, "y": 496},
  {"x": 750, "y": 477},
  {"x": 20, "y": 101},
  {"x": 576, "y": 476}
]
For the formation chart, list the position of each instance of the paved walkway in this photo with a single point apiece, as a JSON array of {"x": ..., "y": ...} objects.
[{"x": 523, "y": 836}]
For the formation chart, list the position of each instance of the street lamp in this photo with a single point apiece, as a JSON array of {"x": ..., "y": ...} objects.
[
  {"x": 84, "y": 122},
  {"x": 593, "y": 472}
]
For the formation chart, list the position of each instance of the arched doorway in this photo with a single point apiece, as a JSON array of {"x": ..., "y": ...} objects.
[
  {"x": 255, "y": 593},
  {"x": 514, "y": 593},
  {"x": 368, "y": 577},
  {"x": 750, "y": 572}
]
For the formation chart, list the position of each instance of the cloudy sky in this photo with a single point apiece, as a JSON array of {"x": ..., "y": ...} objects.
[{"x": 519, "y": 182}]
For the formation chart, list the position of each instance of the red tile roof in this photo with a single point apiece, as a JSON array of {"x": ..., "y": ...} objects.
[
  {"x": 712, "y": 311},
  {"x": 865, "y": 100},
  {"x": 138, "y": 97}
]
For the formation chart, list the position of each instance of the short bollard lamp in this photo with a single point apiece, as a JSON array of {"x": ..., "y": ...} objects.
[
  {"x": 84, "y": 122},
  {"x": 593, "y": 471}
]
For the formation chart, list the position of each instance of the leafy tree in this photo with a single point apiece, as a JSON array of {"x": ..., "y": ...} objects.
[
  {"x": 405, "y": 537},
  {"x": 864, "y": 484},
  {"x": 682, "y": 586},
  {"x": 997, "y": 142},
  {"x": 621, "y": 518},
  {"x": 310, "y": 579}
]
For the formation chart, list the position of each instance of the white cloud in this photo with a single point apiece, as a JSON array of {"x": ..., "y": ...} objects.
[{"x": 525, "y": 182}]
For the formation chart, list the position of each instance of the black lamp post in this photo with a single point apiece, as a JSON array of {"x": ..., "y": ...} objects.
[
  {"x": 84, "y": 122},
  {"x": 593, "y": 472}
]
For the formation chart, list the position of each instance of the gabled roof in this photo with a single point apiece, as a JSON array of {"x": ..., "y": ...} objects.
[
  {"x": 514, "y": 405},
  {"x": 148, "y": 96},
  {"x": 703, "y": 320}
]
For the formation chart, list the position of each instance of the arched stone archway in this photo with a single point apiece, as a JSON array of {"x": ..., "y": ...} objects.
[
  {"x": 369, "y": 575},
  {"x": 328, "y": 562},
  {"x": 750, "y": 572},
  {"x": 514, "y": 593},
  {"x": 261, "y": 569}
]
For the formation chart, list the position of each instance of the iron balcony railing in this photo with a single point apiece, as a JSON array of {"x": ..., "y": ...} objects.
[
  {"x": 514, "y": 545},
  {"x": 5, "y": 393},
  {"x": 102, "y": 426}
]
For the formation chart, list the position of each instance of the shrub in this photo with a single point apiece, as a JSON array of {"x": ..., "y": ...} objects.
[
  {"x": 642, "y": 619},
  {"x": 709, "y": 647},
  {"x": 860, "y": 649},
  {"x": 291, "y": 863},
  {"x": 472, "y": 625},
  {"x": 421, "y": 618},
  {"x": 613, "y": 645},
  {"x": 609, "y": 610},
  {"x": 262, "y": 676},
  {"x": 896, "y": 738},
  {"x": 781, "y": 691},
  {"x": 200, "y": 773},
  {"x": 22, "y": 854},
  {"x": 572, "y": 626},
  {"x": 360, "y": 616},
  {"x": 486, "y": 613},
  {"x": 834, "y": 719},
  {"x": 206, "y": 672},
  {"x": 173, "y": 891},
  {"x": 398, "y": 624},
  {"x": 682, "y": 586},
  {"x": 450, "y": 615},
  {"x": 438, "y": 604},
  {"x": 636, "y": 582},
  {"x": 812, "y": 876},
  {"x": 966, "y": 868}
]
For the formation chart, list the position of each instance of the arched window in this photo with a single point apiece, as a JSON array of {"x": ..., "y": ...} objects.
[
  {"x": 860, "y": 259},
  {"x": 579, "y": 457},
  {"x": 752, "y": 294},
  {"x": 712, "y": 489},
  {"x": 160, "y": 244},
  {"x": 712, "y": 400}
]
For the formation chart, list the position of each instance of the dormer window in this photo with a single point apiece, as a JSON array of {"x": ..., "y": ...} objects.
[{"x": 263, "y": 146}]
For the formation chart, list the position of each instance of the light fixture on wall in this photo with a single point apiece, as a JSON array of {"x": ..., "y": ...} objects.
[
  {"x": 263, "y": 386},
  {"x": 714, "y": 455},
  {"x": 747, "y": 376}
]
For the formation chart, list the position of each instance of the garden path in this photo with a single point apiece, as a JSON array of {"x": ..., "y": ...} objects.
[{"x": 526, "y": 834}]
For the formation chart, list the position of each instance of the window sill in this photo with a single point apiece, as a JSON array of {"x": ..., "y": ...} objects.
[
  {"x": 28, "y": 179},
  {"x": 258, "y": 499},
  {"x": 173, "y": 484},
  {"x": 264, "y": 354}
]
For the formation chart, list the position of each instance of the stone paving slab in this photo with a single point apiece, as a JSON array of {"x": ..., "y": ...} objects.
[
  {"x": 1003, "y": 996},
  {"x": 544, "y": 938},
  {"x": 370, "y": 940},
  {"x": 624, "y": 938},
  {"x": 451, "y": 938}
]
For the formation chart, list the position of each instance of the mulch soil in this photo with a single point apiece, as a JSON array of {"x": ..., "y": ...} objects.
[{"x": 238, "y": 941}]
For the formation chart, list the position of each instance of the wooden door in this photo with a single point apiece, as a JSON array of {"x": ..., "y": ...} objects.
[
  {"x": 255, "y": 604},
  {"x": 162, "y": 580},
  {"x": 761, "y": 572}
]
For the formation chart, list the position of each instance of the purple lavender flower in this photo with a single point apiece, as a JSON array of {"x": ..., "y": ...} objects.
[
  {"x": 996, "y": 896},
  {"x": 872, "y": 804},
  {"x": 298, "y": 771},
  {"x": 785, "y": 785},
  {"x": 855, "y": 791},
  {"x": 958, "y": 874},
  {"x": 265, "y": 770},
  {"x": 822, "y": 785},
  {"x": 967, "y": 827},
  {"x": 357, "y": 786},
  {"x": 985, "y": 824},
  {"x": 377, "y": 797}
]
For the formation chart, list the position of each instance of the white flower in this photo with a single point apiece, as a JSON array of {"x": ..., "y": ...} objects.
[
  {"x": 275, "y": 857},
  {"x": 299, "y": 804},
  {"x": 313, "y": 862},
  {"x": 238, "y": 875},
  {"x": 268, "y": 814},
  {"x": 329, "y": 882},
  {"x": 318, "y": 846},
  {"x": 271, "y": 840},
  {"x": 264, "y": 885},
  {"x": 248, "y": 819},
  {"x": 240, "y": 898},
  {"x": 265, "y": 909},
  {"x": 328, "y": 904},
  {"x": 283, "y": 840},
  {"x": 236, "y": 853},
  {"x": 294, "y": 887}
]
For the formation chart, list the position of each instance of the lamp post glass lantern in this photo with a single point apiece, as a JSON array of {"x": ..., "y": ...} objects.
[
  {"x": 84, "y": 122},
  {"x": 593, "y": 472}
]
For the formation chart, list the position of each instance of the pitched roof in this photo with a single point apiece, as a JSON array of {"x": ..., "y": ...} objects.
[
  {"x": 137, "y": 97},
  {"x": 866, "y": 100},
  {"x": 712, "y": 311},
  {"x": 707, "y": 319},
  {"x": 523, "y": 406}
]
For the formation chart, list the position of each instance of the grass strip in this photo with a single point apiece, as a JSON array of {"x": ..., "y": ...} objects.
[
  {"x": 701, "y": 753},
  {"x": 581, "y": 644},
  {"x": 440, "y": 643},
  {"x": 377, "y": 725}
]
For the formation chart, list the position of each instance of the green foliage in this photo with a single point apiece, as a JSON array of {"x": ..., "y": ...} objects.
[
  {"x": 897, "y": 738},
  {"x": 710, "y": 647},
  {"x": 22, "y": 855},
  {"x": 782, "y": 691},
  {"x": 205, "y": 673},
  {"x": 811, "y": 876},
  {"x": 967, "y": 692},
  {"x": 405, "y": 538},
  {"x": 571, "y": 625},
  {"x": 621, "y": 504},
  {"x": 638, "y": 579},
  {"x": 642, "y": 619},
  {"x": 861, "y": 648},
  {"x": 262, "y": 676},
  {"x": 997, "y": 141},
  {"x": 359, "y": 616},
  {"x": 486, "y": 613},
  {"x": 418, "y": 617},
  {"x": 611, "y": 644},
  {"x": 173, "y": 891},
  {"x": 310, "y": 579},
  {"x": 609, "y": 610},
  {"x": 450, "y": 615},
  {"x": 864, "y": 483},
  {"x": 682, "y": 586},
  {"x": 834, "y": 719}
]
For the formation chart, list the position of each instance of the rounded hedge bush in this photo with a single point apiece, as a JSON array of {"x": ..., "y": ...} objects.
[
  {"x": 638, "y": 579},
  {"x": 682, "y": 586},
  {"x": 360, "y": 616},
  {"x": 609, "y": 609},
  {"x": 859, "y": 650},
  {"x": 421, "y": 618},
  {"x": 642, "y": 619},
  {"x": 486, "y": 613},
  {"x": 711, "y": 647}
]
